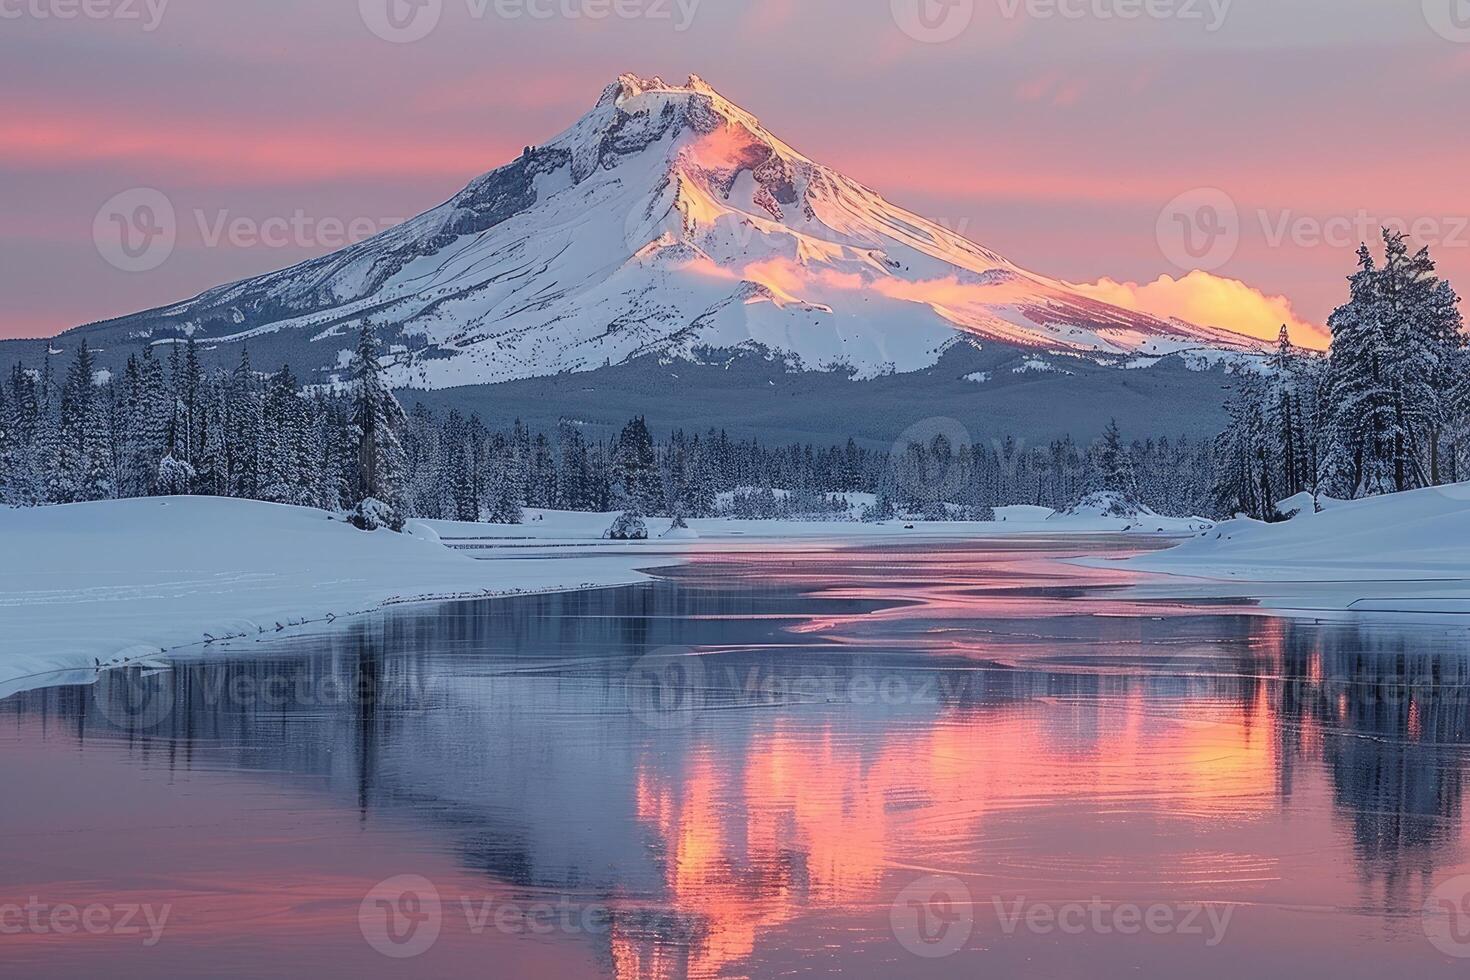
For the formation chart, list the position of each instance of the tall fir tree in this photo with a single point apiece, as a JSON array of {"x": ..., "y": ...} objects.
[
  {"x": 377, "y": 421},
  {"x": 638, "y": 485}
]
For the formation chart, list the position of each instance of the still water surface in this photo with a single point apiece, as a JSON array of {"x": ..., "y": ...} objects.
[{"x": 966, "y": 760}]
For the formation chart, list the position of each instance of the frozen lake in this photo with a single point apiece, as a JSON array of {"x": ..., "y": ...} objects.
[{"x": 937, "y": 760}]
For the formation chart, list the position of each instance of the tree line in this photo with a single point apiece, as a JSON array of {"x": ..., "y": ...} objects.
[
  {"x": 166, "y": 426},
  {"x": 164, "y": 429},
  {"x": 1386, "y": 410}
]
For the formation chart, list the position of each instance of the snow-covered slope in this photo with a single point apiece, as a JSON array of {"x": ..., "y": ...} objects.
[
  {"x": 666, "y": 221},
  {"x": 1404, "y": 552}
]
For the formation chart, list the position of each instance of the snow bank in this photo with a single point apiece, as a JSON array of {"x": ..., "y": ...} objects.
[
  {"x": 1419, "y": 540},
  {"x": 1305, "y": 503},
  {"x": 551, "y": 530},
  {"x": 129, "y": 579},
  {"x": 1022, "y": 514},
  {"x": 1094, "y": 515},
  {"x": 1107, "y": 503}
]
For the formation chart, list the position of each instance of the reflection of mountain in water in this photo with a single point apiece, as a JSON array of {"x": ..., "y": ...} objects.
[{"x": 824, "y": 757}]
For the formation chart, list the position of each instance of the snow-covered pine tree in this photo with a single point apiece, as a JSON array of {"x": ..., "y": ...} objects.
[
  {"x": 1437, "y": 312},
  {"x": 84, "y": 447},
  {"x": 699, "y": 496},
  {"x": 505, "y": 487},
  {"x": 28, "y": 474},
  {"x": 1236, "y": 460},
  {"x": 377, "y": 420},
  {"x": 189, "y": 392},
  {"x": 175, "y": 477},
  {"x": 242, "y": 427},
  {"x": 287, "y": 473},
  {"x": 423, "y": 449},
  {"x": 637, "y": 482},
  {"x": 1457, "y": 429},
  {"x": 1115, "y": 465},
  {"x": 177, "y": 437},
  {"x": 134, "y": 480},
  {"x": 1359, "y": 460},
  {"x": 1281, "y": 409},
  {"x": 8, "y": 442},
  {"x": 460, "y": 483},
  {"x": 575, "y": 490},
  {"x": 340, "y": 453},
  {"x": 1406, "y": 286},
  {"x": 150, "y": 429},
  {"x": 209, "y": 457},
  {"x": 541, "y": 489},
  {"x": 1390, "y": 395}
]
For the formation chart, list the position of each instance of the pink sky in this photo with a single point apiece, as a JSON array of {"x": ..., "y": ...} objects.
[{"x": 1044, "y": 130}]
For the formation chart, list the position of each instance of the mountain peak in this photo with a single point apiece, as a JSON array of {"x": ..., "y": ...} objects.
[
  {"x": 664, "y": 222},
  {"x": 630, "y": 85}
]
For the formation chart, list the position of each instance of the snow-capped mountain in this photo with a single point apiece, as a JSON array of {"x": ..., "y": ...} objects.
[{"x": 666, "y": 221}]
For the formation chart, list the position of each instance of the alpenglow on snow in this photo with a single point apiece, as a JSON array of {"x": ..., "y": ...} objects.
[{"x": 666, "y": 222}]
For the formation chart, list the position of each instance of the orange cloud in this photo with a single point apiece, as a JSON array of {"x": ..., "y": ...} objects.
[{"x": 1211, "y": 301}]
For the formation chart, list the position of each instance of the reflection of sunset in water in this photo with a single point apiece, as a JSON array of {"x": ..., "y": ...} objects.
[
  {"x": 818, "y": 821},
  {"x": 1036, "y": 731}
]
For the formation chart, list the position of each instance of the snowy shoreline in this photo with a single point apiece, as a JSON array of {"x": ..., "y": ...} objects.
[
  {"x": 1403, "y": 553},
  {"x": 135, "y": 581},
  {"x": 131, "y": 580},
  {"x": 142, "y": 581}
]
